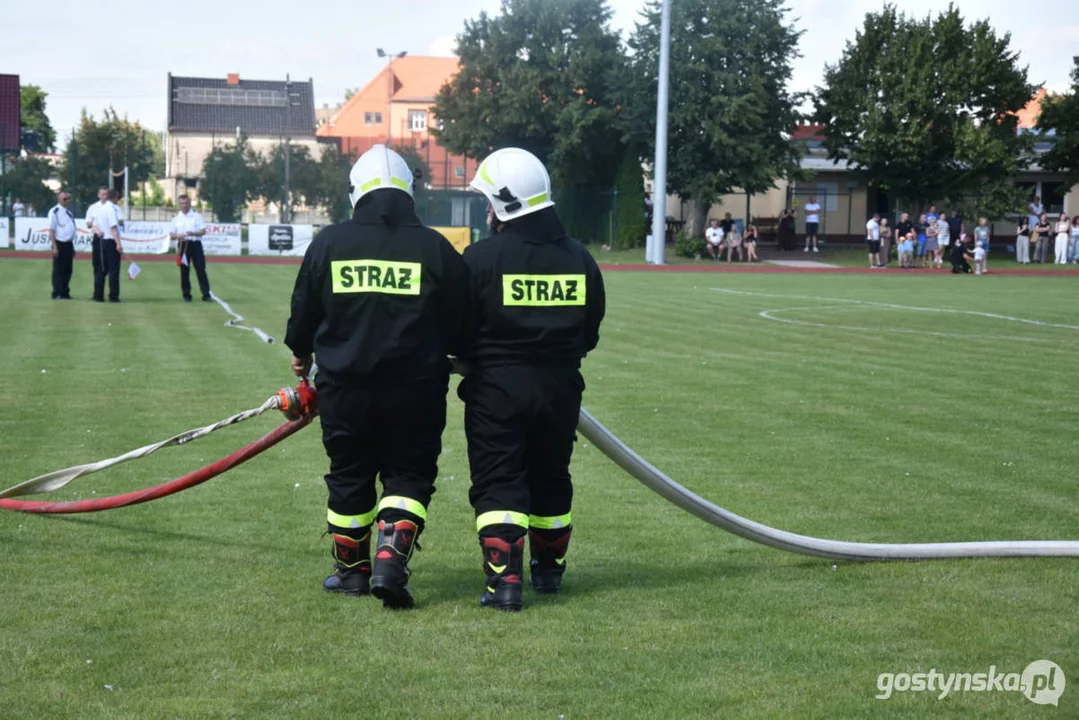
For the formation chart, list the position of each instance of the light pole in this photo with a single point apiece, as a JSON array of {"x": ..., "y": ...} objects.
[
  {"x": 389, "y": 91},
  {"x": 659, "y": 179}
]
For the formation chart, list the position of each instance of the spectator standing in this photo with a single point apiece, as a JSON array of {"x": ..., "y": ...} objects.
[
  {"x": 932, "y": 216},
  {"x": 1022, "y": 242},
  {"x": 62, "y": 235},
  {"x": 919, "y": 232},
  {"x": 1041, "y": 239},
  {"x": 872, "y": 241},
  {"x": 944, "y": 239},
  {"x": 750, "y": 241},
  {"x": 188, "y": 227},
  {"x": 18, "y": 209},
  {"x": 979, "y": 258},
  {"x": 812, "y": 211},
  {"x": 906, "y": 250},
  {"x": 1073, "y": 251},
  {"x": 713, "y": 237},
  {"x": 786, "y": 230},
  {"x": 1035, "y": 210},
  {"x": 885, "y": 243},
  {"x": 903, "y": 227},
  {"x": 955, "y": 226},
  {"x": 1060, "y": 244},
  {"x": 981, "y": 234},
  {"x": 932, "y": 244}
]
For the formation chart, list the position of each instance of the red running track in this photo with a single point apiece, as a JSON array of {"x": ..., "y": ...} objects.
[{"x": 607, "y": 267}]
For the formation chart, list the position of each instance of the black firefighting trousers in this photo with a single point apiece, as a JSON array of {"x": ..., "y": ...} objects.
[
  {"x": 390, "y": 430},
  {"x": 521, "y": 423}
]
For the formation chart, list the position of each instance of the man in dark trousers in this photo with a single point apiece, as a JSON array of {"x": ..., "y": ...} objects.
[
  {"x": 538, "y": 299},
  {"x": 103, "y": 221},
  {"x": 187, "y": 230},
  {"x": 380, "y": 301},
  {"x": 62, "y": 235}
]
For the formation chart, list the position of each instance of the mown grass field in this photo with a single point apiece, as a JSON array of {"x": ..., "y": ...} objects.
[{"x": 871, "y": 423}]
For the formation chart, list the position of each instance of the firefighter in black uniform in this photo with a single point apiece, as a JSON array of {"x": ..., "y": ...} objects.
[
  {"x": 380, "y": 300},
  {"x": 537, "y": 301}
]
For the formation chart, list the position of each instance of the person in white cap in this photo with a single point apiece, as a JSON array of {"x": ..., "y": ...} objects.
[
  {"x": 538, "y": 301},
  {"x": 379, "y": 301}
]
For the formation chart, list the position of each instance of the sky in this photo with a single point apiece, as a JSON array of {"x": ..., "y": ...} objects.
[{"x": 333, "y": 42}]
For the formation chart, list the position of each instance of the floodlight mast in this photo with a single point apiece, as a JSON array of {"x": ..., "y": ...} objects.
[{"x": 659, "y": 177}]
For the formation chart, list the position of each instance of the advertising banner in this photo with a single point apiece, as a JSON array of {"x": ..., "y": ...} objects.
[
  {"x": 4, "y": 232},
  {"x": 278, "y": 239},
  {"x": 138, "y": 236},
  {"x": 221, "y": 239}
]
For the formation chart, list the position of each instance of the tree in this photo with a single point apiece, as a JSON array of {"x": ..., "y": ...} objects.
[
  {"x": 628, "y": 203},
  {"x": 730, "y": 110},
  {"x": 152, "y": 194},
  {"x": 232, "y": 178},
  {"x": 41, "y": 136},
  {"x": 546, "y": 76},
  {"x": 303, "y": 176},
  {"x": 24, "y": 178},
  {"x": 112, "y": 143},
  {"x": 1060, "y": 114},
  {"x": 333, "y": 168},
  {"x": 925, "y": 110}
]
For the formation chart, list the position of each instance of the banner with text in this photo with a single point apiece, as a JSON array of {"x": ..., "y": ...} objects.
[
  {"x": 138, "y": 236},
  {"x": 278, "y": 239},
  {"x": 221, "y": 239},
  {"x": 4, "y": 232}
]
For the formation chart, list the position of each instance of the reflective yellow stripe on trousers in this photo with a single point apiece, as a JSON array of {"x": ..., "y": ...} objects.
[
  {"x": 501, "y": 517},
  {"x": 350, "y": 521},
  {"x": 552, "y": 522},
  {"x": 399, "y": 502}
]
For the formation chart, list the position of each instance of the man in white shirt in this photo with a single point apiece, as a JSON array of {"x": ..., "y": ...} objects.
[
  {"x": 188, "y": 228},
  {"x": 62, "y": 235},
  {"x": 102, "y": 220},
  {"x": 18, "y": 209},
  {"x": 114, "y": 199},
  {"x": 714, "y": 239},
  {"x": 812, "y": 211},
  {"x": 872, "y": 241}
]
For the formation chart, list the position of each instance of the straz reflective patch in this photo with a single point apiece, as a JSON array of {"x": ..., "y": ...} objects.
[
  {"x": 543, "y": 290},
  {"x": 376, "y": 276}
]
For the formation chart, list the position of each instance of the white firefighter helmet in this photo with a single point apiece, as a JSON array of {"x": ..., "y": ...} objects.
[
  {"x": 378, "y": 168},
  {"x": 515, "y": 182}
]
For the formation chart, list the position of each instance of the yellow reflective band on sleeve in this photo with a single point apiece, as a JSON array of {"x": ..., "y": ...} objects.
[
  {"x": 553, "y": 522},
  {"x": 370, "y": 184},
  {"x": 501, "y": 517},
  {"x": 398, "y": 182},
  {"x": 543, "y": 290},
  {"x": 350, "y": 521},
  {"x": 541, "y": 198},
  {"x": 376, "y": 276},
  {"x": 398, "y": 502}
]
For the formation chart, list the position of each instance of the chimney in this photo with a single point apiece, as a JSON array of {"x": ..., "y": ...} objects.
[{"x": 234, "y": 79}]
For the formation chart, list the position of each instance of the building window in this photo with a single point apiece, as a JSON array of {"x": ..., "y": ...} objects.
[
  {"x": 417, "y": 120},
  {"x": 372, "y": 118},
  {"x": 459, "y": 172}
]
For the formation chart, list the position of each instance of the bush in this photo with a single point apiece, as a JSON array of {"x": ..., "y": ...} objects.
[{"x": 686, "y": 246}]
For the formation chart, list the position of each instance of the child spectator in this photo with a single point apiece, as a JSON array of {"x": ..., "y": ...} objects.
[
  {"x": 979, "y": 259},
  {"x": 906, "y": 251}
]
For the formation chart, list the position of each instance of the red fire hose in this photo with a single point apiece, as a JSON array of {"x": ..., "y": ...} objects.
[{"x": 300, "y": 405}]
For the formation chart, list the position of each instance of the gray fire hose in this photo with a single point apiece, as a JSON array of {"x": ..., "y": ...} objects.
[{"x": 642, "y": 470}]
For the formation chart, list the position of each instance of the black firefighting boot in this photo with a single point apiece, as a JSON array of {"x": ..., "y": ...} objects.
[
  {"x": 389, "y": 580},
  {"x": 503, "y": 563},
  {"x": 352, "y": 565},
  {"x": 548, "y": 549}
]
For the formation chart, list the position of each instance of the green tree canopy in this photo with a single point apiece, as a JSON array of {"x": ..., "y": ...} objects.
[
  {"x": 1060, "y": 114},
  {"x": 925, "y": 110},
  {"x": 232, "y": 178},
  {"x": 730, "y": 109},
  {"x": 543, "y": 75},
  {"x": 33, "y": 117},
  {"x": 303, "y": 176},
  {"x": 24, "y": 178},
  {"x": 112, "y": 143},
  {"x": 333, "y": 168}
]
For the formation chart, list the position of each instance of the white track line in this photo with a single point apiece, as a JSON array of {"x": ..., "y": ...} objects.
[{"x": 769, "y": 315}]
